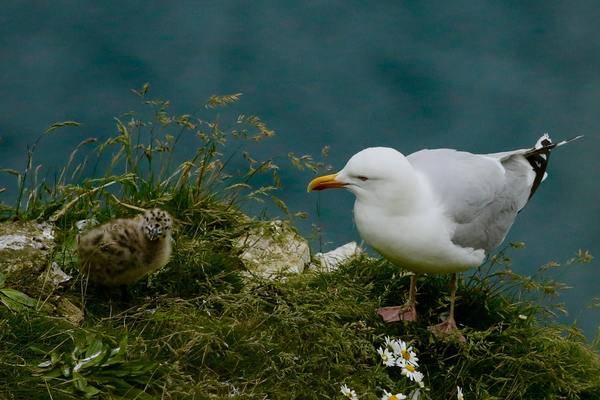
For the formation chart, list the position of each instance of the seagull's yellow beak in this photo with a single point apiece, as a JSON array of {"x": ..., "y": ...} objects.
[{"x": 325, "y": 182}]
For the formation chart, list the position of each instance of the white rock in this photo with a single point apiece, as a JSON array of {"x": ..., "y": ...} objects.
[
  {"x": 47, "y": 230},
  {"x": 331, "y": 260},
  {"x": 34, "y": 238},
  {"x": 273, "y": 249},
  {"x": 14, "y": 242},
  {"x": 25, "y": 248},
  {"x": 55, "y": 275}
]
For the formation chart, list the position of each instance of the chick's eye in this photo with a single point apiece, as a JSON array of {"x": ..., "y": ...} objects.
[{"x": 362, "y": 178}]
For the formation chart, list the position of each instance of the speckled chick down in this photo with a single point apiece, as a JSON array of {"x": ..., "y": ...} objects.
[{"x": 124, "y": 250}]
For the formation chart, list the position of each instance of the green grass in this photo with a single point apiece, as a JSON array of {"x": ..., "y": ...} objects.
[
  {"x": 201, "y": 328},
  {"x": 298, "y": 338}
]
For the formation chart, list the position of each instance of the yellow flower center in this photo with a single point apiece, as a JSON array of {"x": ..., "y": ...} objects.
[
  {"x": 393, "y": 397},
  {"x": 405, "y": 355},
  {"x": 410, "y": 368}
]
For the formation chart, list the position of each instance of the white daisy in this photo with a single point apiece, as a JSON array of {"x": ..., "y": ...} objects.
[
  {"x": 388, "y": 396},
  {"x": 406, "y": 355},
  {"x": 387, "y": 358},
  {"x": 388, "y": 341},
  {"x": 411, "y": 373},
  {"x": 394, "y": 345},
  {"x": 348, "y": 393},
  {"x": 459, "y": 393}
]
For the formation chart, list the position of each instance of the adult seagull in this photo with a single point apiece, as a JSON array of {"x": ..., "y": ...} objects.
[{"x": 438, "y": 211}]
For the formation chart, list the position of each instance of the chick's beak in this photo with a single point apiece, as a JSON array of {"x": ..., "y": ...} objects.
[
  {"x": 155, "y": 233},
  {"x": 325, "y": 182}
]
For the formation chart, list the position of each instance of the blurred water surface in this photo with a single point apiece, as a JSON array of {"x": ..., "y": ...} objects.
[{"x": 474, "y": 75}]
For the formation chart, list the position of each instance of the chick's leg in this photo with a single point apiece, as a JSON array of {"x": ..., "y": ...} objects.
[
  {"x": 407, "y": 312},
  {"x": 125, "y": 294}
]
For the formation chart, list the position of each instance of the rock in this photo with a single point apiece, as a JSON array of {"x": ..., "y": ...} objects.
[
  {"x": 54, "y": 276},
  {"x": 24, "y": 251},
  {"x": 272, "y": 249},
  {"x": 331, "y": 260}
]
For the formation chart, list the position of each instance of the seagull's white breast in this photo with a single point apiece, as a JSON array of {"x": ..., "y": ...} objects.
[{"x": 419, "y": 242}]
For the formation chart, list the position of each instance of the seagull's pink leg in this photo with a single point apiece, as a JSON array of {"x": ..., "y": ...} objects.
[
  {"x": 448, "y": 328},
  {"x": 407, "y": 312}
]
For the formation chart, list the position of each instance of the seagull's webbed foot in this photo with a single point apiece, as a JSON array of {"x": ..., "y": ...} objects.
[
  {"x": 447, "y": 330},
  {"x": 406, "y": 312}
]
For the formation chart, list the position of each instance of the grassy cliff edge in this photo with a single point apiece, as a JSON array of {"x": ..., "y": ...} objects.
[{"x": 203, "y": 327}]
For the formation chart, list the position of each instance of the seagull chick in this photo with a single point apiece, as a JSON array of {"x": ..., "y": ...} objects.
[
  {"x": 124, "y": 250},
  {"x": 438, "y": 211}
]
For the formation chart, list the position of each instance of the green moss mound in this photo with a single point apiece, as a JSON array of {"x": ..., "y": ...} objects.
[{"x": 296, "y": 338}]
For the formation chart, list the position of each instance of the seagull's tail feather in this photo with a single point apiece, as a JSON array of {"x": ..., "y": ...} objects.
[
  {"x": 539, "y": 155},
  {"x": 544, "y": 142}
]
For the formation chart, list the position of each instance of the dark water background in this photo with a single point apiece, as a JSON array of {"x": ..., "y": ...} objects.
[{"x": 474, "y": 75}]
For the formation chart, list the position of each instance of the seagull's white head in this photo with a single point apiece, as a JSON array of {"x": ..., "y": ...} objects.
[{"x": 379, "y": 176}]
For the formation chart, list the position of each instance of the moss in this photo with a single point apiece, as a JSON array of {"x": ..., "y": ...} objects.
[{"x": 299, "y": 338}]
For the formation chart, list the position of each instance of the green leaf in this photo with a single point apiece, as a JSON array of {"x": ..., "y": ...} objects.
[
  {"x": 55, "y": 357},
  {"x": 82, "y": 385},
  {"x": 58, "y": 125},
  {"x": 38, "y": 350},
  {"x": 117, "y": 355},
  {"x": 91, "y": 360},
  {"x": 94, "y": 347},
  {"x": 53, "y": 374},
  {"x": 12, "y": 304},
  {"x": 18, "y": 296},
  {"x": 123, "y": 388}
]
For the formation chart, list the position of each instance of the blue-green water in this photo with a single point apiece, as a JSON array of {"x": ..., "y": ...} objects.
[{"x": 479, "y": 76}]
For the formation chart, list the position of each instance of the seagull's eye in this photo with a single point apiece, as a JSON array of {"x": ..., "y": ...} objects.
[{"x": 362, "y": 178}]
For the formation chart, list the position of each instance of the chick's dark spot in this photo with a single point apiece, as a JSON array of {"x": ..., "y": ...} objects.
[{"x": 96, "y": 239}]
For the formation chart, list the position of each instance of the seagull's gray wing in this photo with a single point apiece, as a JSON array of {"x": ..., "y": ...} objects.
[{"x": 481, "y": 194}]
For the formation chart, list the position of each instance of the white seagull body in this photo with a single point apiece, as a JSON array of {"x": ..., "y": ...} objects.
[
  {"x": 443, "y": 210},
  {"x": 462, "y": 206}
]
